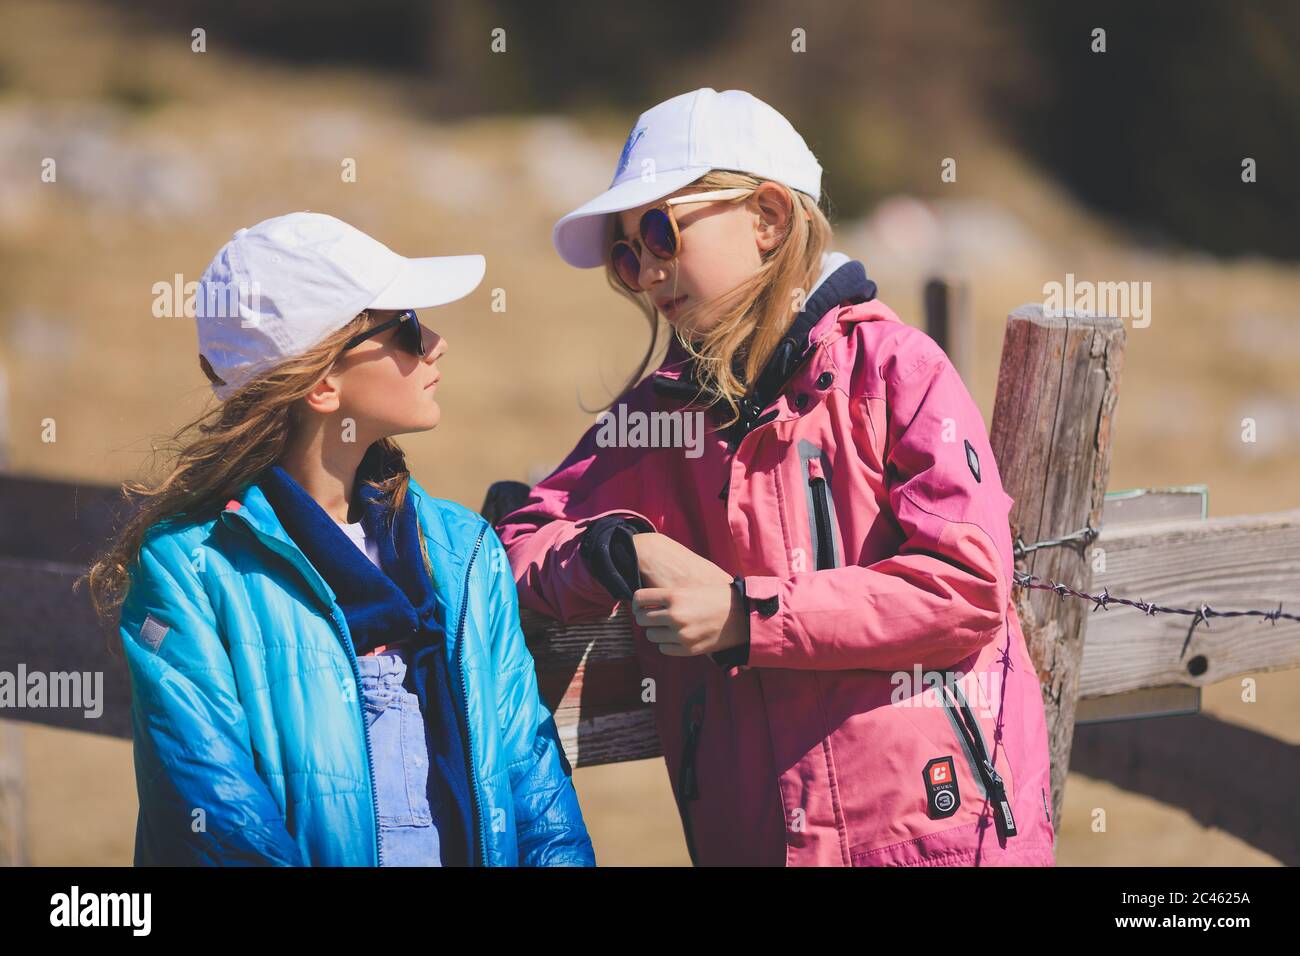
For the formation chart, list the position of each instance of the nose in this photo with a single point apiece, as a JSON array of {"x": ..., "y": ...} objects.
[
  {"x": 435, "y": 346},
  {"x": 652, "y": 266}
]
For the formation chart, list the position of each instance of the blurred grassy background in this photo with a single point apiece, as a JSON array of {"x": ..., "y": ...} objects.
[{"x": 1115, "y": 167}]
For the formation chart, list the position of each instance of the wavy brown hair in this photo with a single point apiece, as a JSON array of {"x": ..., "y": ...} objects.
[
  {"x": 217, "y": 454},
  {"x": 755, "y": 314}
]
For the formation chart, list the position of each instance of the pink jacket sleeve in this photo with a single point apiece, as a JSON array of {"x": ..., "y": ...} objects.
[
  {"x": 542, "y": 537},
  {"x": 944, "y": 594}
]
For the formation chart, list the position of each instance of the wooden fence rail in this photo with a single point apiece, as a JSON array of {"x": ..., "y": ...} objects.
[{"x": 1051, "y": 433}]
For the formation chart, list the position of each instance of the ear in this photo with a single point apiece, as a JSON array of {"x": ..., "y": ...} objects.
[
  {"x": 324, "y": 397},
  {"x": 774, "y": 206}
]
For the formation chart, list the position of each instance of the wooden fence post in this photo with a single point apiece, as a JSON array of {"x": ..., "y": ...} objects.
[
  {"x": 13, "y": 794},
  {"x": 1051, "y": 435},
  {"x": 5, "y": 441},
  {"x": 948, "y": 321}
]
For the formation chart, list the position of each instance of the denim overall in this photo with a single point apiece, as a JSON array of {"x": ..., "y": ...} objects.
[{"x": 406, "y": 820}]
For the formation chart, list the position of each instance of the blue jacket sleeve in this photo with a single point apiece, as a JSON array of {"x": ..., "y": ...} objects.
[
  {"x": 202, "y": 801},
  {"x": 549, "y": 827}
]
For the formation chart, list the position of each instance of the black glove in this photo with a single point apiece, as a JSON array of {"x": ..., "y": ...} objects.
[
  {"x": 607, "y": 548},
  {"x": 609, "y": 552}
]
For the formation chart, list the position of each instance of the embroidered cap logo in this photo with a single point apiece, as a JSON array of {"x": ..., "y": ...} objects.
[{"x": 626, "y": 155}]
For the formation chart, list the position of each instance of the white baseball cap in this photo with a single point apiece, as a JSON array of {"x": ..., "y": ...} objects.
[
  {"x": 675, "y": 143},
  {"x": 278, "y": 288}
]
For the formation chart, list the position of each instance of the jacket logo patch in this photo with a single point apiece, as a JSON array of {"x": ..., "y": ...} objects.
[
  {"x": 941, "y": 795},
  {"x": 972, "y": 459},
  {"x": 152, "y": 631}
]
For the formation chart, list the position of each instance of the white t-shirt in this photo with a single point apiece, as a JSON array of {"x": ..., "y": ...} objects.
[{"x": 369, "y": 547}]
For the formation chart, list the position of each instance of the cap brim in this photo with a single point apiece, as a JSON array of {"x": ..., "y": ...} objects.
[
  {"x": 579, "y": 237},
  {"x": 424, "y": 283}
]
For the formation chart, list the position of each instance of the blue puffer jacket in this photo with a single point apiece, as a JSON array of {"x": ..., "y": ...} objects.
[{"x": 250, "y": 742}]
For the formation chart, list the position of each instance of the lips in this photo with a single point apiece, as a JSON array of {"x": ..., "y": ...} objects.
[
  {"x": 434, "y": 382},
  {"x": 669, "y": 305}
]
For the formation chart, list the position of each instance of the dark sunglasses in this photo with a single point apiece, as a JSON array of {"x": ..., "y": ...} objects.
[
  {"x": 410, "y": 337},
  {"x": 660, "y": 235}
]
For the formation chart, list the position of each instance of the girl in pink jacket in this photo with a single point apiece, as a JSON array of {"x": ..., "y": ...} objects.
[{"x": 801, "y": 506}]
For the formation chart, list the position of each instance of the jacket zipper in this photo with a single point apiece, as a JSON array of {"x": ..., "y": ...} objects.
[
  {"x": 1002, "y": 816},
  {"x": 688, "y": 783},
  {"x": 821, "y": 515},
  {"x": 365, "y": 730},
  {"x": 289, "y": 555},
  {"x": 821, "y": 529},
  {"x": 464, "y": 697}
]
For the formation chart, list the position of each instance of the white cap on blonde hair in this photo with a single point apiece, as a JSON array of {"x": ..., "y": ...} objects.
[
  {"x": 280, "y": 287},
  {"x": 675, "y": 143}
]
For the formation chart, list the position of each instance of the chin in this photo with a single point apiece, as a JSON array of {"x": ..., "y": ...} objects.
[
  {"x": 689, "y": 330},
  {"x": 691, "y": 323},
  {"x": 423, "y": 423}
]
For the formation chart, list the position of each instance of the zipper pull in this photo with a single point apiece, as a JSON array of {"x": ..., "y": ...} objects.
[{"x": 1002, "y": 817}]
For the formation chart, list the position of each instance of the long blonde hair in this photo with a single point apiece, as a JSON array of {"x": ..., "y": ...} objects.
[
  {"x": 215, "y": 455},
  {"x": 753, "y": 315}
]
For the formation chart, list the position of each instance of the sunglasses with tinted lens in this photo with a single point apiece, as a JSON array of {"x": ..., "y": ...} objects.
[
  {"x": 410, "y": 337},
  {"x": 660, "y": 235}
]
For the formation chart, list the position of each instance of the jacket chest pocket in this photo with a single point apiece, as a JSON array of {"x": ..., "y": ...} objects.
[{"x": 816, "y": 472}]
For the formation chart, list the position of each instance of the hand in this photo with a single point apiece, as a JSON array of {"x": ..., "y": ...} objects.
[
  {"x": 665, "y": 563},
  {"x": 689, "y": 621}
]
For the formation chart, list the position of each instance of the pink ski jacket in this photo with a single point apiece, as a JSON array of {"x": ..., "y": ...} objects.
[{"x": 888, "y": 712}]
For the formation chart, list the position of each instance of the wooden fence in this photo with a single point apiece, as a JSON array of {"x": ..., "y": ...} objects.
[{"x": 1053, "y": 421}]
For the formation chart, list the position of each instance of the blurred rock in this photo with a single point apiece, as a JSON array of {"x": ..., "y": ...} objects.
[
  {"x": 566, "y": 168},
  {"x": 103, "y": 163},
  {"x": 450, "y": 177}
]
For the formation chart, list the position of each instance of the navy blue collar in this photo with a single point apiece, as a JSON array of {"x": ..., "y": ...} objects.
[
  {"x": 381, "y": 606},
  {"x": 847, "y": 284}
]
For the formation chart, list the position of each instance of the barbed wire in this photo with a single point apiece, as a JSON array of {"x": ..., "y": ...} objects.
[
  {"x": 1200, "y": 615},
  {"x": 1087, "y": 535}
]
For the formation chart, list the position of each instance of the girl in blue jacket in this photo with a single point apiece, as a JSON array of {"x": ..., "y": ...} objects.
[{"x": 326, "y": 661}]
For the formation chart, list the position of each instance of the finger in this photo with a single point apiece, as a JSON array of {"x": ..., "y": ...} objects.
[
  {"x": 651, "y": 597},
  {"x": 653, "y": 617},
  {"x": 662, "y": 635}
]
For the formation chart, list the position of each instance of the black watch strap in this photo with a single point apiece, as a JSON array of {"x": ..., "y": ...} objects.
[{"x": 736, "y": 656}]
